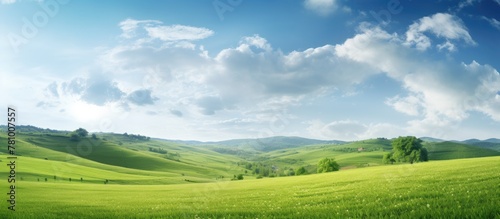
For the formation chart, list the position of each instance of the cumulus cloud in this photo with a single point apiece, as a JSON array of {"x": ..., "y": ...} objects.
[
  {"x": 141, "y": 97},
  {"x": 99, "y": 91},
  {"x": 254, "y": 81},
  {"x": 439, "y": 91},
  {"x": 321, "y": 7},
  {"x": 442, "y": 25}
]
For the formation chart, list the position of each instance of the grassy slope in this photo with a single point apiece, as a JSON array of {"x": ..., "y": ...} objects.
[
  {"x": 452, "y": 150},
  {"x": 201, "y": 163},
  {"x": 346, "y": 154},
  {"x": 466, "y": 188}
]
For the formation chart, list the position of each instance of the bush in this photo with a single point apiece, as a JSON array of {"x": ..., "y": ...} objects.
[
  {"x": 301, "y": 171},
  {"x": 328, "y": 165},
  {"x": 239, "y": 177}
]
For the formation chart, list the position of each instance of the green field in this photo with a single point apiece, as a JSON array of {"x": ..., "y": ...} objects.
[
  {"x": 463, "y": 188},
  {"x": 119, "y": 176}
]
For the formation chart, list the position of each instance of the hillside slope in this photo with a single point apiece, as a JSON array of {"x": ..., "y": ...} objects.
[
  {"x": 464, "y": 188},
  {"x": 452, "y": 150}
]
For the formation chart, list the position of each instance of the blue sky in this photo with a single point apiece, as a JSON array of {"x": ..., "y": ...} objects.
[{"x": 222, "y": 69}]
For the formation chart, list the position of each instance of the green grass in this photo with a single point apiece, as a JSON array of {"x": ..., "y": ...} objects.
[
  {"x": 466, "y": 188},
  {"x": 130, "y": 157}
]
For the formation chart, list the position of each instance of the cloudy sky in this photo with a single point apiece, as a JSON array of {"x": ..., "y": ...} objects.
[{"x": 222, "y": 69}]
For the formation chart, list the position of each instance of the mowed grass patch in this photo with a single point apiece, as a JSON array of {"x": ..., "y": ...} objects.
[{"x": 465, "y": 188}]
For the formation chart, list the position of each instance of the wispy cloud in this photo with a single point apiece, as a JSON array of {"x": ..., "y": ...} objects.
[
  {"x": 148, "y": 30},
  {"x": 178, "y": 32},
  {"x": 494, "y": 22}
]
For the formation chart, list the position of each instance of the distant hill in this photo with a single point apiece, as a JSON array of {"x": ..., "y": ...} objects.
[
  {"x": 264, "y": 144},
  {"x": 453, "y": 150},
  {"x": 32, "y": 129},
  {"x": 491, "y": 143},
  {"x": 430, "y": 139}
]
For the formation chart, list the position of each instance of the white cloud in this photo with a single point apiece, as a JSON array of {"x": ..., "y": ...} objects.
[
  {"x": 195, "y": 84},
  {"x": 466, "y": 3},
  {"x": 410, "y": 105},
  {"x": 178, "y": 32},
  {"x": 494, "y": 22},
  {"x": 442, "y": 25},
  {"x": 147, "y": 32},
  {"x": 129, "y": 26},
  {"x": 447, "y": 45},
  {"x": 438, "y": 90},
  {"x": 252, "y": 84},
  {"x": 321, "y": 7}
]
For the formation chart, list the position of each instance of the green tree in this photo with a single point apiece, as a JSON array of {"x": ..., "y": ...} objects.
[
  {"x": 94, "y": 136},
  {"x": 328, "y": 165},
  {"x": 408, "y": 149},
  {"x": 239, "y": 177},
  {"x": 81, "y": 132},
  {"x": 301, "y": 171},
  {"x": 387, "y": 158}
]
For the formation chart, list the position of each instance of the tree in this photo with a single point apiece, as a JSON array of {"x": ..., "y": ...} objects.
[
  {"x": 81, "y": 132},
  {"x": 301, "y": 171},
  {"x": 328, "y": 165},
  {"x": 239, "y": 177},
  {"x": 408, "y": 149},
  {"x": 94, "y": 136},
  {"x": 388, "y": 158}
]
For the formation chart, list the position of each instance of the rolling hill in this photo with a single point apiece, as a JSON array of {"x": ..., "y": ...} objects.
[
  {"x": 462, "y": 188},
  {"x": 193, "y": 161}
]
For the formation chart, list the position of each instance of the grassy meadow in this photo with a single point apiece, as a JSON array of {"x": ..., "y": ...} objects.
[
  {"x": 462, "y": 188},
  {"x": 119, "y": 176}
]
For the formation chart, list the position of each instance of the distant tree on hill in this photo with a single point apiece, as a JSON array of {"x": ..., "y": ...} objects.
[
  {"x": 82, "y": 132},
  {"x": 327, "y": 165},
  {"x": 301, "y": 171},
  {"x": 407, "y": 149},
  {"x": 239, "y": 177},
  {"x": 94, "y": 136}
]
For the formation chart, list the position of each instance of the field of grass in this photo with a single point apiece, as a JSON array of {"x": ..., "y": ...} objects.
[
  {"x": 463, "y": 188},
  {"x": 129, "y": 158}
]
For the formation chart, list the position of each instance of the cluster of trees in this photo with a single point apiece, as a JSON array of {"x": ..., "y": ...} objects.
[
  {"x": 268, "y": 170},
  {"x": 136, "y": 137},
  {"x": 238, "y": 177},
  {"x": 78, "y": 134},
  {"x": 406, "y": 149},
  {"x": 262, "y": 169},
  {"x": 158, "y": 150}
]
